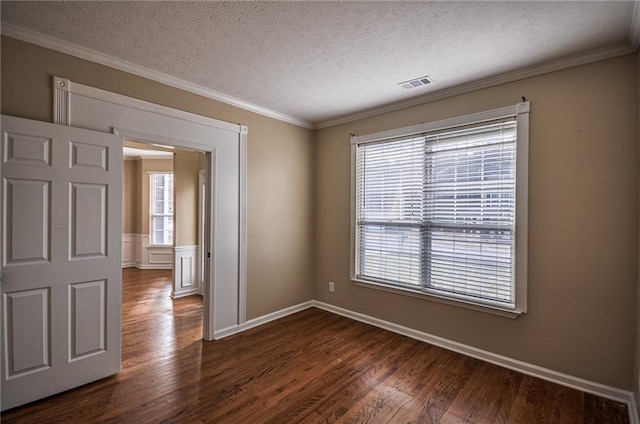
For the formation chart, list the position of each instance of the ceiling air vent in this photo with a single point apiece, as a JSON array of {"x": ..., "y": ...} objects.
[{"x": 416, "y": 82}]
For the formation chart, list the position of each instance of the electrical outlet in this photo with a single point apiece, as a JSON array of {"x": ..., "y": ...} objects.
[{"x": 332, "y": 287}]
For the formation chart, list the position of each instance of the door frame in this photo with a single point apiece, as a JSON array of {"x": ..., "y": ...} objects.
[
  {"x": 202, "y": 227},
  {"x": 216, "y": 324}
]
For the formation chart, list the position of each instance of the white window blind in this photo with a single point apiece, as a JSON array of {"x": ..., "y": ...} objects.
[
  {"x": 436, "y": 212},
  {"x": 162, "y": 208}
]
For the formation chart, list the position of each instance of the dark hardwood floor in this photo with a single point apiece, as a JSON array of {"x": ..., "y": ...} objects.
[{"x": 310, "y": 367}]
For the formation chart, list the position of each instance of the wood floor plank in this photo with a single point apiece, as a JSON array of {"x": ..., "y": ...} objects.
[
  {"x": 309, "y": 367},
  {"x": 443, "y": 386}
]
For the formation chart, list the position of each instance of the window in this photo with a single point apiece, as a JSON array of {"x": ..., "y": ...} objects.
[
  {"x": 161, "y": 189},
  {"x": 440, "y": 209}
]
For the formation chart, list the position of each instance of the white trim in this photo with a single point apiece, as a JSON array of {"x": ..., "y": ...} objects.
[
  {"x": 634, "y": 30},
  {"x": 202, "y": 181},
  {"x": 61, "y": 101},
  {"x": 503, "y": 112},
  {"x": 255, "y": 322},
  {"x": 85, "y": 53},
  {"x": 209, "y": 290},
  {"x": 154, "y": 266},
  {"x": 184, "y": 248},
  {"x": 147, "y": 122},
  {"x": 354, "y": 252},
  {"x": 608, "y": 392},
  {"x": 531, "y": 71},
  {"x": 52, "y": 43},
  {"x": 153, "y": 256},
  {"x": 242, "y": 272},
  {"x": 521, "y": 112},
  {"x": 122, "y": 100},
  {"x": 185, "y": 271},
  {"x": 152, "y": 214},
  {"x": 566, "y": 380},
  {"x": 434, "y": 296},
  {"x": 521, "y": 254},
  {"x": 129, "y": 250}
]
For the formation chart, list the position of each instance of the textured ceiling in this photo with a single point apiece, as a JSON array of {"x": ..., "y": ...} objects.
[{"x": 321, "y": 60}]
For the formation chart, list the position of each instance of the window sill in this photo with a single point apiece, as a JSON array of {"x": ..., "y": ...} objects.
[
  {"x": 507, "y": 313},
  {"x": 160, "y": 246}
]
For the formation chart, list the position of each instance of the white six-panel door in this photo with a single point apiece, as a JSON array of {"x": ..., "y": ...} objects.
[{"x": 61, "y": 275}]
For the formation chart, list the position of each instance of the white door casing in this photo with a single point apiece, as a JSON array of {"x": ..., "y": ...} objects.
[
  {"x": 202, "y": 223},
  {"x": 224, "y": 291},
  {"x": 61, "y": 253}
]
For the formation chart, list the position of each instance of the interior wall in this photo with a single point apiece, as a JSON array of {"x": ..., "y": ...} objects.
[
  {"x": 129, "y": 189},
  {"x": 583, "y": 225},
  {"x": 280, "y": 162},
  {"x": 136, "y": 194},
  {"x": 186, "y": 167}
]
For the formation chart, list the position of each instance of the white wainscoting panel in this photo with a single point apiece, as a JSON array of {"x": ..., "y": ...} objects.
[
  {"x": 185, "y": 271},
  {"x": 138, "y": 248},
  {"x": 154, "y": 257},
  {"x": 130, "y": 256}
]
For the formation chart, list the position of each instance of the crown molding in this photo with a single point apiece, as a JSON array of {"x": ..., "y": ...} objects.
[
  {"x": 519, "y": 74},
  {"x": 52, "y": 43},
  {"x": 33, "y": 37}
]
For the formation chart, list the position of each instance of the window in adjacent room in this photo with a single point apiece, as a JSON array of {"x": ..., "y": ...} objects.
[
  {"x": 161, "y": 189},
  {"x": 440, "y": 209}
]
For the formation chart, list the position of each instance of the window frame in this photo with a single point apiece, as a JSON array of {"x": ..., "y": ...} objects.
[
  {"x": 521, "y": 112},
  {"x": 152, "y": 214}
]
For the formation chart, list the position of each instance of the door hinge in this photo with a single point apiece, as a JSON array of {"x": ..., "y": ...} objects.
[{"x": 208, "y": 255}]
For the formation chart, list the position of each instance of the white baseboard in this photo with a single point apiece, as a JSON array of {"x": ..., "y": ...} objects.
[
  {"x": 136, "y": 252},
  {"x": 566, "y": 380},
  {"x": 185, "y": 293},
  {"x": 255, "y": 322},
  {"x": 154, "y": 266},
  {"x": 577, "y": 383}
]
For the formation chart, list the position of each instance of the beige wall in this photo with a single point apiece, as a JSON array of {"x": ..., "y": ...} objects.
[
  {"x": 280, "y": 189},
  {"x": 186, "y": 167},
  {"x": 130, "y": 194},
  {"x": 583, "y": 196},
  {"x": 583, "y": 225}
]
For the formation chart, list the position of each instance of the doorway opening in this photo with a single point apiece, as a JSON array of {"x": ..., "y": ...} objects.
[{"x": 164, "y": 239}]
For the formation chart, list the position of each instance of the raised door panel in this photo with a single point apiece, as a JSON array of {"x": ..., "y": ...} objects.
[
  {"x": 26, "y": 149},
  {"x": 186, "y": 272},
  {"x": 88, "y": 217},
  {"x": 27, "y": 332},
  {"x": 88, "y": 322},
  {"x": 88, "y": 156},
  {"x": 28, "y": 210}
]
